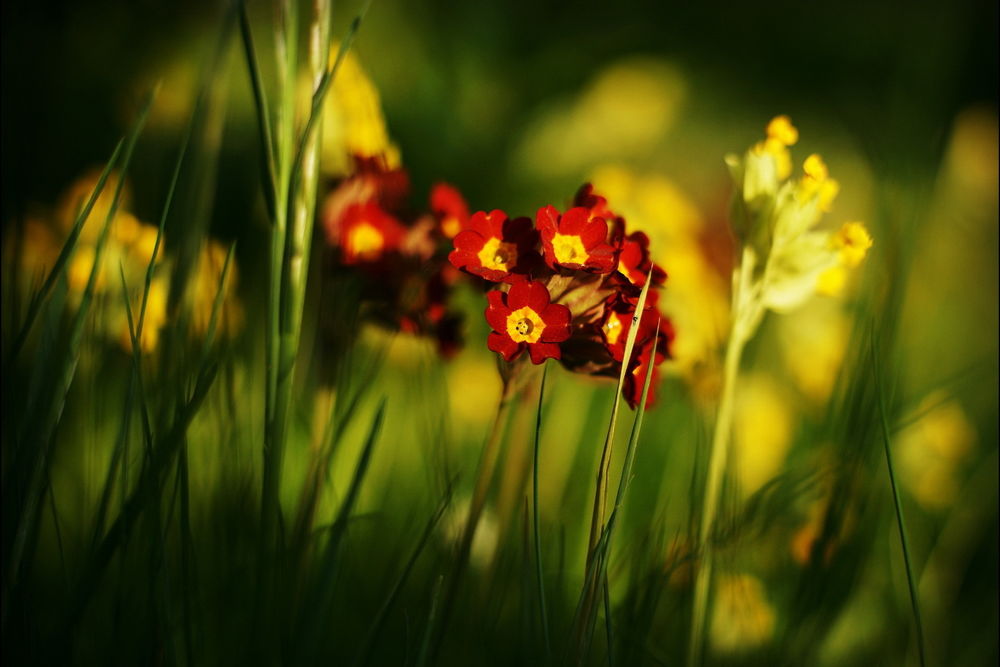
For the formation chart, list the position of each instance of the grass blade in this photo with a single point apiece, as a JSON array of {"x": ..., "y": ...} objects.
[
  {"x": 914, "y": 602},
  {"x": 534, "y": 504}
]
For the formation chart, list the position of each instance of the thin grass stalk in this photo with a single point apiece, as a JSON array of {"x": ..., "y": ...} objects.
[
  {"x": 274, "y": 433},
  {"x": 534, "y": 504},
  {"x": 425, "y": 643},
  {"x": 364, "y": 653},
  {"x": 897, "y": 503},
  {"x": 601, "y": 493},
  {"x": 596, "y": 573},
  {"x": 745, "y": 310}
]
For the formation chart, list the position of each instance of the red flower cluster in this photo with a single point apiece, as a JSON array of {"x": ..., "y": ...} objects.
[
  {"x": 396, "y": 259},
  {"x": 574, "y": 283}
]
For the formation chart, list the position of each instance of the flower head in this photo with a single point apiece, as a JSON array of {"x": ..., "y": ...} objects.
[
  {"x": 496, "y": 247},
  {"x": 576, "y": 240},
  {"x": 366, "y": 233},
  {"x": 450, "y": 209},
  {"x": 524, "y": 318}
]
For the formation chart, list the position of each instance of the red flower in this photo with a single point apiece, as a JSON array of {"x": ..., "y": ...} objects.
[
  {"x": 496, "y": 248},
  {"x": 450, "y": 209},
  {"x": 523, "y": 317},
  {"x": 365, "y": 233},
  {"x": 654, "y": 351},
  {"x": 618, "y": 315},
  {"x": 575, "y": 240},
  {"x": 634, "y": 262}
]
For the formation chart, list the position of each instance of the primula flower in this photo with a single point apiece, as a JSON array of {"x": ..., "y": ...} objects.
[
  {"x": 496, "y": 248},
  {"x": 450, "y": 209},
  {"x": 654, "y": 351},
  {"x": 366, "y": 233},
  {"x": 634, "y": 262},
  {"x": 576, "y": 240},
  {"x": 524, "y": 318},
  {"x": 617, "y": 323}
]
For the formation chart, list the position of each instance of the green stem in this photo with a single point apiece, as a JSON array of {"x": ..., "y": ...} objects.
[{"x": 745, "y": 316}]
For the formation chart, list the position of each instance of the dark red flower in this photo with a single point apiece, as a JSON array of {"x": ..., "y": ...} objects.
[
  {"x": 575, "y": 240},
  {"x": 634, "y": 262},
  {"x": 450, "y": 209},
  {"x": 365, "y": 233},
  {"x": 656, "y": 351},
  {"x": 618, "y": 316},
  {"x": 524, "y": 318},
  {"x": 496, "y": 248}
]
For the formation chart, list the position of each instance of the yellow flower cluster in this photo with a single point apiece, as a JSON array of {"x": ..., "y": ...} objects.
[
  {"x": 353, "y": 123},
  {"x": 128, "y": 249},
  {"x": 776, "y": 217}
]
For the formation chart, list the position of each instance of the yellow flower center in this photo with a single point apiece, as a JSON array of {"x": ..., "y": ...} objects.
[
  {"x": 365, "y": 241},
  {"x": 498, "y": 255},
  {"x": 569, "y": 249},
  {"x": 524, "y": 325},
  {"x": 613, "y": 328}
]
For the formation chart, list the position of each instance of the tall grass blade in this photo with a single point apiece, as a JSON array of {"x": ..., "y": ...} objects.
[
  {"x": 534, "y": 505},
  {"x": 269, "y": 171},
  {"x": 904, "y": 541}
]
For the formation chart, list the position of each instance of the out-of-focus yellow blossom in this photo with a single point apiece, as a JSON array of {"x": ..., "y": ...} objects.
[
  {"x": 932, "y": 451},
  {"x": 37, "y": 253},
  {"x": 780, "y": 135},
  {"x": 813, "y": 342},
  {"x": 211, "y": 262},
  {"x": 762, "y": 431},
  {"x": 353, "y": 123},
  {"x": 76, "y": 197},
  {"x": 153, "y": 321},
  {"x": 851, "y": 242},
  {"x": 697, "y": 298},
  {"x": 625, "y": 111},
  {"x": 784, "y": 255},
  {"x": 80, "y": 267},
  {"x": 742, "y": 616}
]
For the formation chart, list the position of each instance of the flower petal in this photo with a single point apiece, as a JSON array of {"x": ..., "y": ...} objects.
[
  {"x": 542, "y": 351},
  {"x": 547, "y": 222},
  {"x": 504, "y": 345},
  {"x": 594, "y": 233},
  {"x": 574, "y": 221},
  {"x": 497, "y": 311},
  {"x": 469, "y": 240},
  {"x": 556, "y": 318},
  {"x": 479, "y": 223},
  {"x": 532, "y": 294}
]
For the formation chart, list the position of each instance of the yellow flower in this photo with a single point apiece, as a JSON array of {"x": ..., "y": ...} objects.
[
  {"x": 813, "y": 342},
  {"x": 211, "y": 261},
  {"x": 76, "y": 197},
  {"x": 932, "y": 451},
  {"x": 781, "y": 129},
  {"x": 742, "y": 616},
  {"x": 775, "y": 219},
  {"x": 762, "y": 432},
  {"x": 155, "y": 318},
  {"x": 853, "y": 242},
  {"x": 353, "y": 123}
]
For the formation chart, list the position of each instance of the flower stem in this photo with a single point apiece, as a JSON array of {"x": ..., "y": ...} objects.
[{"x": 745, "y": 316}]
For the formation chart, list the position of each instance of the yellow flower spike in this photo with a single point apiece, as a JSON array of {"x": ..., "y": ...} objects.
[
  {"x": 828, "y": 191},
  {"x": 781, "y": 129},
  {"x": 853, "y": 242},
  {"x": 815, "y": 168}
]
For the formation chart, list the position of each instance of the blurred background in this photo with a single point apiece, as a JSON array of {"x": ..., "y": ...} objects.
[{"x": 517, "y": 104}]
